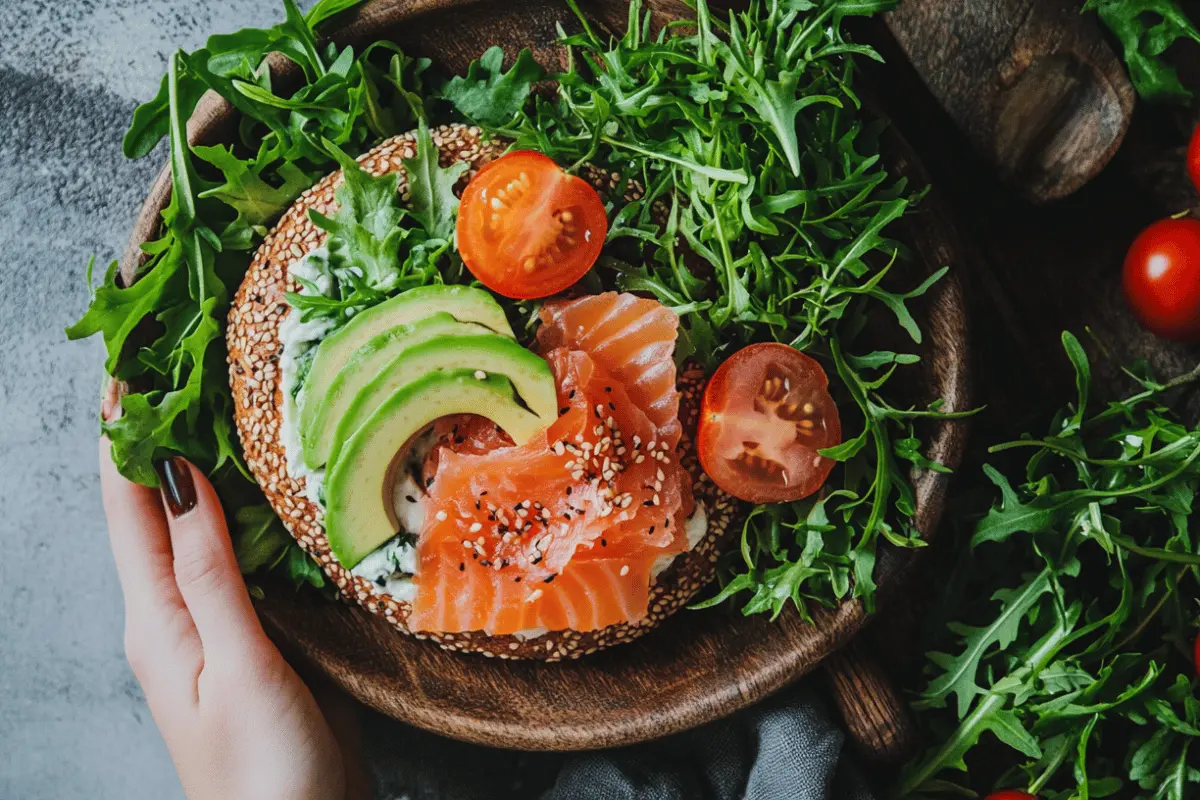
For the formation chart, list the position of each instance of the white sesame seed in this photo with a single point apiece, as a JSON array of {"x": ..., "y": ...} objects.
[
  {"x": 441, "y": 516},
  {"x": 624, "y": 570},
  {"x": 480, "y": 375},
  {"x": 475, "y": 526}
]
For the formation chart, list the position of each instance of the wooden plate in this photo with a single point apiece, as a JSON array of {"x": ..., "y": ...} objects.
[{"x": 699, "y": 665}]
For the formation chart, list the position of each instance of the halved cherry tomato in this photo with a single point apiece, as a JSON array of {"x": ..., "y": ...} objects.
[
  {"x": 1193, "y": 158},
  {"x": 1197, "y": 654},
  {"x": 527, "y": 229},
  {"x": 1011, "y": 794},
  {"x": 1162, "y": 278},
  {"x": 766, "y": 412}
]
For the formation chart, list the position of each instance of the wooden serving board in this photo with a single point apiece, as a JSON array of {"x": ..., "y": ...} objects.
[{"x": 699, "y": 665}]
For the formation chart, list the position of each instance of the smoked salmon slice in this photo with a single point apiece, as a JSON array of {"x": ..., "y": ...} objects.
[
  {"x": 631, "y": 337},
  {"x": 563, "y": 531}
]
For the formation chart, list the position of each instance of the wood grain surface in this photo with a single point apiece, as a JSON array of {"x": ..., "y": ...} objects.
[
  {"x": 697, "y": 666},
  {"x": 876, "y": 716},
  {"x": 1033, "y": 84}
]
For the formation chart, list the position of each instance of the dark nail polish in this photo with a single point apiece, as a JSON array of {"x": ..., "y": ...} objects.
[{"x": 178, "y": 488}]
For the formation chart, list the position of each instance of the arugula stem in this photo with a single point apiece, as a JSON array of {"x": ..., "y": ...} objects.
[
  {"x": 1190, "y": 376},
  {"x": 1158, "y": 554},
  {"x": 798, "y": 40},
  {"x": 713, "y": 173},
  {"x": 1162, "y": 452},
  {"x": 1141, "y": 626},
  {"x": 1055, "y": 763}
]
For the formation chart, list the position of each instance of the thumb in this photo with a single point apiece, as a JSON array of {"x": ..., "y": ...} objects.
[{"x": 206, "y": 569}]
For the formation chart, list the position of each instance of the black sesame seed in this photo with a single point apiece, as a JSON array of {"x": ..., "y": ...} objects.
[
  {"x": 571, "y": 395},
  {"x": 608, "y": 388},
  {"x": 652, "y": 528},
  {"x": 483, "y": 493},
  {"x": 459, "y": 440},
  {"x": 611, "y": 406},
  {"x": 485, "y": 563},
  {"x": 410, "y": 498},
  {"x": 563, "y": 410},
  {"x": 604, "y": 542},
  {"x": 517, "y": 579},
  {"x": 462, "y": 567},
  {"x": 551, "y": 578},
  {"x": 568, "y": 491}
]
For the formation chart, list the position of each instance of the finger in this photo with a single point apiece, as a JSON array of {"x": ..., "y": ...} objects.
[
  {"x": 206, "y": 569},
  {"x": 344, "y": 717},
  {"x": 159, "y": 636}
]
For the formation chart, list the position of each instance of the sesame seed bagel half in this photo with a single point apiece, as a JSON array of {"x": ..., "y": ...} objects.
[{"x": 254, "y": 351}]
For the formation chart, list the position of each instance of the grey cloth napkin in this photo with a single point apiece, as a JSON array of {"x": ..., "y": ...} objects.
[{"x": 786, "y": 748}]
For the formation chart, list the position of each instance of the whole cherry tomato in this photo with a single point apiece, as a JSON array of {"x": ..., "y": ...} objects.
[
  {"x": 1197, "y": 654},
  {"x": 1011, "y": 794},
  {"x": 1162, "y": 278}
]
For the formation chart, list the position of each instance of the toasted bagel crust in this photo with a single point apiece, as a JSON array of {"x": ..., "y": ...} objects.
[{"x": 254, "y": 349}]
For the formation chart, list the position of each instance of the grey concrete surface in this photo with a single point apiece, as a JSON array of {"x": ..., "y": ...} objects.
[{"x": 73, "y": 722}]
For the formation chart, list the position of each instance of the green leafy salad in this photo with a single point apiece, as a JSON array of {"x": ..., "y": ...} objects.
[
  {"x": 1067, "y": 634},
  {"x": 764, "y": 217}
]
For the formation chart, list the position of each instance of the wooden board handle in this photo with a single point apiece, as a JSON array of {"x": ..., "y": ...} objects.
[
  {"x": 876, "y": 717},
  {"x": 1033, "y": 84}
]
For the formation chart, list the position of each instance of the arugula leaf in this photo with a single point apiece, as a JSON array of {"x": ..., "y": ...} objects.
[
  {"x": 365, "y": 232},
  {"x": 431, "y": 187},
  {"x": 487, "y": 95},
  {"x": 245, "y": 191},
  {"x": 114, "y": 312},
  {"x": 1145, "y": 42},
  {"x": 324, "y": 9},
  {"x": 961, "y": 671}
]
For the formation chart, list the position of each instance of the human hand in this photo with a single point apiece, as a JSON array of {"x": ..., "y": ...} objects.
[{"x": 237, "y": 719}]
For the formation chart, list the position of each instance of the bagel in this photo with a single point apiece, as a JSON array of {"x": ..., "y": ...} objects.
[{"x": 254, "y": 350}]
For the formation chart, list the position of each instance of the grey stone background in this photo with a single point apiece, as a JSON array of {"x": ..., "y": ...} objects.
[{"x": 73, "y": 722}]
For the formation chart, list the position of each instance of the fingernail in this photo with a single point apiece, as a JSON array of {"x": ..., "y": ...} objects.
[{"x": 178, "y": 488}]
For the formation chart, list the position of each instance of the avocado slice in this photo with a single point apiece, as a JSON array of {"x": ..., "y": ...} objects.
[
  {"x": 365, "y": 363},
  {"x": 488, "y": 355},
  {"x": 464, "y": 303},
  {"x": 358, "y": 514}
]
